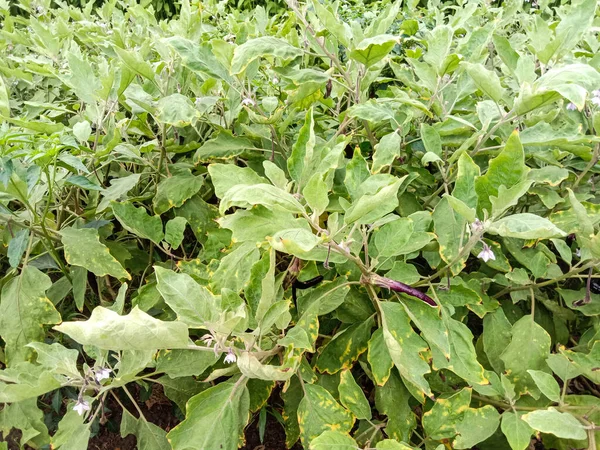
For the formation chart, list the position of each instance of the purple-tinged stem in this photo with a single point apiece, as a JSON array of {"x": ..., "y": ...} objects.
[{"x": 398, "y": 286}]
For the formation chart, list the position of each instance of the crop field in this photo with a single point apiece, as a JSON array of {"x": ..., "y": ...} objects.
[{"x": 307, "y": 224}]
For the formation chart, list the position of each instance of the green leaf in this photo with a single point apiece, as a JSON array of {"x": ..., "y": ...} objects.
[
  {"x": 181, "y": 389},
  {"x": 302, "y": 151},
  {"x": 525, "y": 226},
  {"x": 328, "y": 295},
  {"x": 316, "y": 194},
  {"x": 194, "y": 304},
  {"x": 234, "y": 269},
  {"x": 428, "y": 320},
  {"x": 438, "y": 46},
  {"x": 389, "y": 444},
  {"x": 4, "y": 99},
  {"x": 135, "y": 63},
  {"x": 561, "y": 424},
  {"x": 476, "y": 426},
  {"x": 333, "y": 440},
  {"x": 318, "y": 412},
  {"x": 107, "y": 330},
  {"x": 486, "y": 81},
  {"x": 82, "y": 131},
  {"x": 519, "y": 358},
  {"x": 57, "y": 358},
  {"x": 431, "y": 139},
  {"x": 183, "y": 363},
  {"x": 496, "y": 337},
  {"x": 79, "y": 279},
  {"x": 518, "y": 432},
  {"x": 214, "y": 419},
  {"x": 260, "y": 194},
  {"x": 369, "y": 208},
  {"x": 83, "y": 248},
  {"x": 24, "y": 310},
  {"x": 83, "y": 183},
  {"x": 370, "y": 51},
  {"x": 223, "y": 146},
  {"x": 266, "y": 46},
  {"x": 199, "y": 58},
  {"x": 174, "y": 230},
  {"x": 24, "y": 380},
  {"x": 252, "y": 368},
  {"x": 547, "y": 384},
  {"x": 352, "y": 396},
  {"x": 148, "y": 435},
  {"x": 405, "y": 346},
  {"x": 394, "y": 400},
  {"x": 386, "y": 151},
  {"x": 392, "y": 237},
  {"x": 17, "y": 246},
  {"x": 29, "y": 419},
  {"x": 333, "y": 24},
  {"x": 507, "y": 169},
  {"x": 379, "y": 358},
  {"x": 137, "y": 221},
  {"x": 225, "y": 176},
  {"x": 177, "y": 110},
  {"x": 444, "y": 418},
  {"x": 72, "y": 433},
  {"x": 174, "y": 191},
  {"x": 344, "y": 349}
]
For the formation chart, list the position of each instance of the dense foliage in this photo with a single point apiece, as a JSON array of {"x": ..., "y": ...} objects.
[{"x": 378, "y": 225}]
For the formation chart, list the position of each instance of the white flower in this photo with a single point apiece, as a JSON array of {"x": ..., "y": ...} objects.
[
  {"x": 476, "y": 226},
  {"x": 81, "y": 406},
  {"x": 486, "y": 254},
  {"x": 571, "y": 107},
  {"x": 208, "y": 339},
  {"x": 275, "y": 80},
  {"x": 102, "y": 374},
  {"x": 230, "y": 357},
  {"x": 596, "y": 101},
  {"x": 578, "y": 253},
  {"x": 248, "y": 102},
  {"x": 596, "y": 93}
]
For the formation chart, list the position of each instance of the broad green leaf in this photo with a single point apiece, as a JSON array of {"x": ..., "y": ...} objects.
[
  {"x": 507, "y": 169},
  {"x": 333, "y": 440},
  {"x": 4, "y": 99},
  {"x": 444, "y": 418},
  {"x": 519, "y": 358},
  {"x": 72, "y": 433},
  {"x": 392, "y": 237},
  {"x": 234, "y": 269},
  {"x": 174, "y": 191},
  {"x": 431, "y": 139},
  {"x": 17, "y": 247},
  {"x": 372, "y": 50},
  {"x": 379, "y": 358},
  {"x": 328, "y": 295},
  {"x": 135, "y": 63},
  {"x": 508, "y": 197},
  {"x": 486, "y": 80},
  {"x": 225, "y": 176},
  {"x": 181, "y": 389},
  {"x": 182, "y": 363},
  {"x": 316, "y": 194},
  {"x": 386, "y": 151},
  {"x": 304, "y": 334},
  {"x": 29, "y": 419},
  {"x": 389, "y": 444},
  {"x": 107, "y": 330},
  {"x": 438, "y": 46},
  {"x": 561, "y": 424},
  {"x": 83, "y": 183},
  {"x": 148, "y": 435},
  {"x": 174, "y": 230},
  {"x": 476, "y": 426},
  {"x": 214, "y": 419},
  {"x": 260, "y": 194},
  {"x": 177, "y": 110},
  {"x": 223, "y": 146},
  {"x": 333, "y": 24},
  {"x": 82, "y": 131},
  {"x": 297, "y": 242},
  {"x": 199, "y": 58},
  {"x": 562, "y": 366},
  {"x": 449, "y": 228},
  {"x": 302, "y": 151},
  {"x": 352, "y": 396},
  {"x": 429, "y": 321},
  {"x": 194, "y": 304},
  {"x": 517, "y": 431},
  {"x": 24, "y": 380},
  {"x": 369, "y": 208},
  {"x": 394, "y": 400},
  {"x": 547, "y": 384},
  {"x": 525, "y": 226},
  {"x": 344, "y": 349},
  {"x": 496, "y": 337},
  {"x": 79, "y": 280},
  {"x": 57, "y": 358},
  {"x": 24, "y": 310},
  {"x": 137, "y": 221},
  {"x": 318, "y": 412},
  {"x": 266, "y": 46},
  {"x": 405, "y": 346},
  {"x": 252, "y": 368},
  {"x": 83, "y": 248}
]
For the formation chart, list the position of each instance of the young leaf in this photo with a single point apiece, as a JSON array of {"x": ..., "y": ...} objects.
[
  {"x": 352, "y": 396},
  {"x": 137, "y": 221},
  {"x": 561, "y": 424},
  {"x": 148, "y": 435}
]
